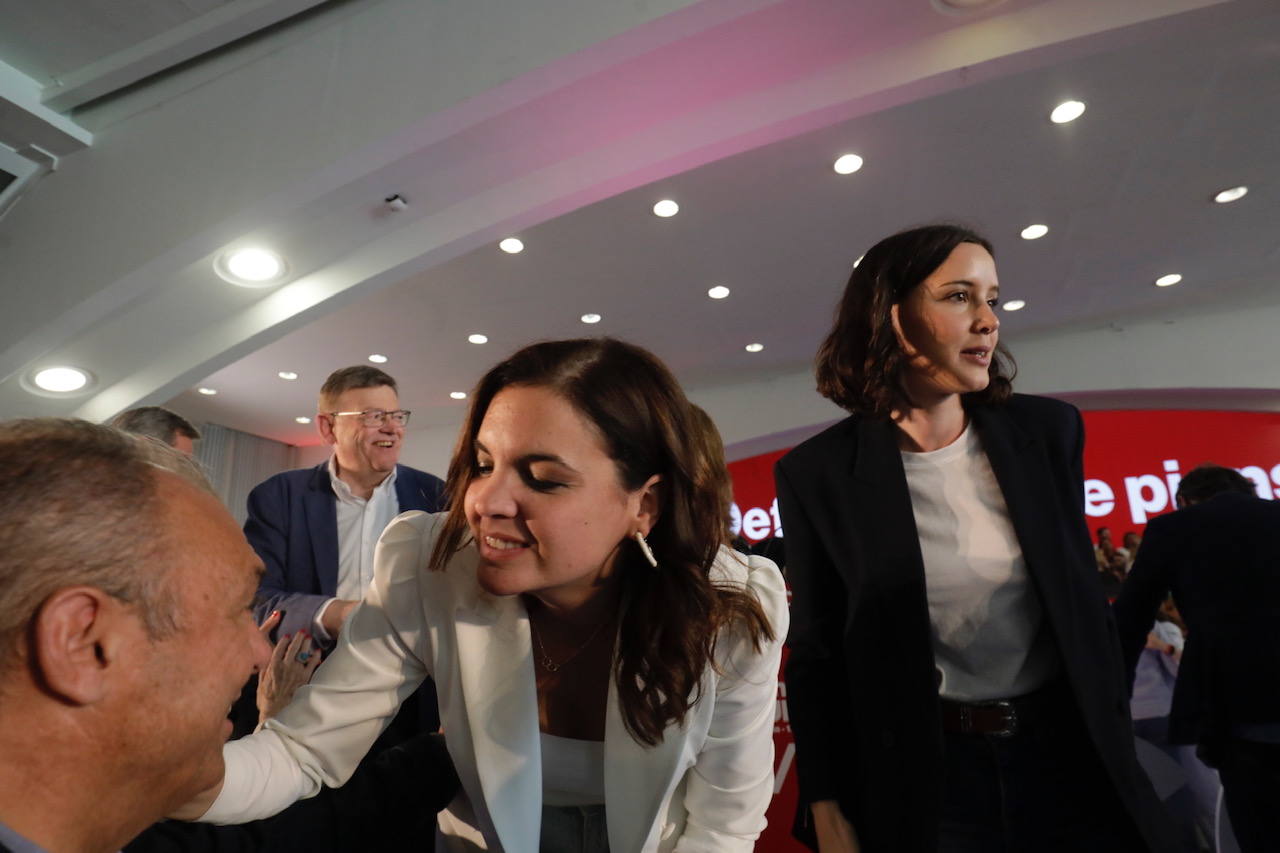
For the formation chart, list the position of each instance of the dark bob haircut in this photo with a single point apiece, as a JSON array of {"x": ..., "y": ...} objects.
[{"x": 860, "y": 366}]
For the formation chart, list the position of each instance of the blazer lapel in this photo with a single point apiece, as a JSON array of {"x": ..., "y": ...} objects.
[
  {"x": 636, "y": 777},
  {"x": 1018, "y": 462},
  {"x": 887, "y": 522},
  {"x": 322, "y": 526},
  {"x": 408, "y": 493},
  {"x": 496, "y": 671}
]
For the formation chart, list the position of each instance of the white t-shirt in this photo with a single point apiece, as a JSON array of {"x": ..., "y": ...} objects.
[
  {"x": 572, "y": 771},
  {"x": 983, "y": 606}
]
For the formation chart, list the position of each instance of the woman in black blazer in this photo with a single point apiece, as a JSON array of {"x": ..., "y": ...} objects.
[{"x": 954, "y": 680}]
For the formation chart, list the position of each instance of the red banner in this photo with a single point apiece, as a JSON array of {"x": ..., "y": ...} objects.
[{"x": 1133, "y": 462}]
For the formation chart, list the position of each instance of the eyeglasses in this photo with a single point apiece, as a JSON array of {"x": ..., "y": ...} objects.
[{"x": 377, "y": 417}]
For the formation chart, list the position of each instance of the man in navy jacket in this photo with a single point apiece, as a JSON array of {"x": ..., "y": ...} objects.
[{"x": 315, "y": 528}]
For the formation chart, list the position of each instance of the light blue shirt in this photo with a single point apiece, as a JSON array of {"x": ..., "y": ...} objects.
[{"x": 16, "y": 843}]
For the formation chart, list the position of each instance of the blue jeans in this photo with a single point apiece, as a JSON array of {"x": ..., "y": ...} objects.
[{"x": 574, "y": 829}]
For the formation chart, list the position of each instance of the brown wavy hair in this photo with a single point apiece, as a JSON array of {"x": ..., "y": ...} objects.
[
  {"x": 670, "y": 617},
  {"x": 860, "y": 366}
]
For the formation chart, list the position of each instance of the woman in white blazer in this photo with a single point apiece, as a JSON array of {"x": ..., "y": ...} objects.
[{"x": 580, "y": 511}]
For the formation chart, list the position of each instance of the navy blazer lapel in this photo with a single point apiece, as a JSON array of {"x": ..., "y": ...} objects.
[
  {"x": 320, "y": 505},
  {"x": 1017, "y": 458},
  {"x": 409, "y": 493}
]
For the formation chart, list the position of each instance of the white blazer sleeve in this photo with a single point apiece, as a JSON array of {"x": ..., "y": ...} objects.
[
  {"x": 731, "y": 784},
  {"x": 380, "y": 659}
]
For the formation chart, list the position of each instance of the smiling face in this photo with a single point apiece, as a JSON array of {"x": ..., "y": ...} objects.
[
  {"x": 184, "y": 682},
  {"x": 546, "y": 505},
  {"x": 947, "y": 326},
  {"x": 366, "y": 454}
]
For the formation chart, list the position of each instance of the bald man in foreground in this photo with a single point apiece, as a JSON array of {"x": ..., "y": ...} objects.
[{"x": 125, "y": 634}]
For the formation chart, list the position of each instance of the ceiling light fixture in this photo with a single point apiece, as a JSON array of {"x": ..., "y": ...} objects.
[
  {"x": 303, "y": 419},
  {"x": 61, "y": 380},
  {"x": 512, "y": 246},
  {"x": 478, "y": 339},
  {"x": 458, "y": 395},
  {"x": 591, "y": 318},
  {"x": 1168, "y": 280},
  {"x": 666, "y": 208},
  {"x": 287, "y": 375},
  {"x": 378, "y": 358},
  {"x": 1067, "y": 111},
  {"x": 253, "y": 267},
  {"x": 847, "y": 164},
  {"x": 1034, "y": 232},
  {"x": 1014, "y": 305},
  {"x": 1229, "y": 195},
  {"x": 754, "y": 347},
  {"x": 208, "y": 392},
  {"x": 718, "y": 292}
]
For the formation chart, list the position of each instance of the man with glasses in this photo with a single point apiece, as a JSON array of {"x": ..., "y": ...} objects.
[{"x": 315, "y": 528}]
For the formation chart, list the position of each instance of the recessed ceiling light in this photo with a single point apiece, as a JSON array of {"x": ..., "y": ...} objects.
[
  {"x": 458, "y": 395},
  {"x": 378, "y": 358},
  {"x": 754, "y": 347},
  {"x": 718, "y": 292},
  {"x": 303, "y": 419},
  {"x": 1067, "y": 111},
  {"x": 287, "y": 375},
  {"x": 478, "y": 339},
  {"x": 512, "y": 246},
  {"x": 591, "y": 318},
  {"x": 1034, "y": 232},
  {"x": 665, "y": 208},
  {"x": 208, "y": 392},
  {"x": 61, "y": 380},
  {"x": 1015, "y": 305},
  {"x": 252, "y": 267},
  {"x": 1168, "y": 280},
  {"x": 847, "y": 164},
  {"x": 1230, "y": 195}
]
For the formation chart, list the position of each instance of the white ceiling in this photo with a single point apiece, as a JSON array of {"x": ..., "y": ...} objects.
[{"x": 736, "y": 110}]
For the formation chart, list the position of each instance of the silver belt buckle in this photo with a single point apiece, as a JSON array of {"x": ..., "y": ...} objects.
[{"x": 1010, "y": 718}]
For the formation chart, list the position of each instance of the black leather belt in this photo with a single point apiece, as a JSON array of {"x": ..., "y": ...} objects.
[{"x": 1004, "y": 717}]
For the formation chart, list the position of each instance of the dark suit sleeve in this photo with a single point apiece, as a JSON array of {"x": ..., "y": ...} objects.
[
  {"x": 817, "y": 692},
  {"x": 266, "y": 528},
  {"x": 1141, "y": 594}
]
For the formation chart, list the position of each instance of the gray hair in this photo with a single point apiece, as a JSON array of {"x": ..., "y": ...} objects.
[
  {"x": 80, "y": 504},
  {"x": 157, "y": 422}
]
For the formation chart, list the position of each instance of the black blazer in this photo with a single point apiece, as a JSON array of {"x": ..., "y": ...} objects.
[
  {"x": 1221, "y": 561},
  {"x": 861, "y": 681}
]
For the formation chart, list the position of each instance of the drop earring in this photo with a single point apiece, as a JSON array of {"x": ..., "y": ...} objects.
[{"x": 646, "y": 550}]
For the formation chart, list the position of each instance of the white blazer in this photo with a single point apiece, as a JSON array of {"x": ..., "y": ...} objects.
[{"x": 705, "y": 787}]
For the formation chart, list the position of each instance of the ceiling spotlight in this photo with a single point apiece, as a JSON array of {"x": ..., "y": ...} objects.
[
  {"x": 754, "y": 347},
  {"x": 378, "y": 358},
  {"x": 591, "y": 318},
  {"x": 1168, "y": 280},
  {"x": 61, "y": 380},
  {"x": 1067, "y": 111},
  {"x": 511, "y": 246},
  {"x": 250, "y": 267},
  {"x": 303, "y": 419},
  {"x": 1230, "y": 195},
  {"x": 1034, "y": 232},
  {"x": 208, "y": 392},
  {"x": 718, "y": 292},
  {"x": 458, "y": 395},
  {"x": 478, "y": 339},
  {"x": 665, "y": 208},
  {"x": 848, "y": 164},
  {"x": 287, "y": 375},
  {"x": 1014, "y": 305}
]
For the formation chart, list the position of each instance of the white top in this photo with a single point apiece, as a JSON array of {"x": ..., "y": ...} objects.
[
  {"x": 985, "y": 612},
  {"x": 572, "y": 771},
  {"x": 360, "y": 523},
  {"x": 704, "y": 788}
]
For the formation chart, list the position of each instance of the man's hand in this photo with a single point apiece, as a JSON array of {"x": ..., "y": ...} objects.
[
  {"x": 293, "y": 661},
  {"x": 335, "y": 615},
  {"x": 835, "y": 833}
]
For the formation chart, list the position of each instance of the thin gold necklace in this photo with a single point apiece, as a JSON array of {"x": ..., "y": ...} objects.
[{"x": 545, "y": 659}]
